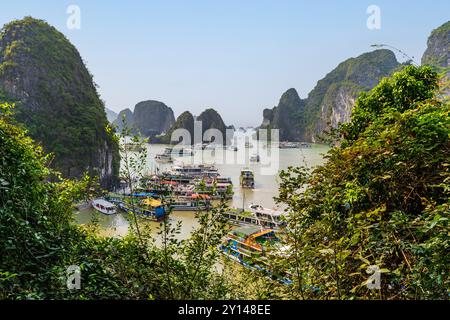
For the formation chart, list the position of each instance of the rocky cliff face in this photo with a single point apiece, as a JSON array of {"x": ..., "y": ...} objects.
[
  {"x": 210, "y": 119},
  {"x": 285, "y": 116},
  {"x": 111, "y": 115},
  {"x": 332, "y": 100},
  {"x": 152, "y": 118},
  {"x": 184, "y": 121},
  {"x": 437, "y": 54},
  {"x": 56, "y": 99},
  {"x": 124, "y": 118}
]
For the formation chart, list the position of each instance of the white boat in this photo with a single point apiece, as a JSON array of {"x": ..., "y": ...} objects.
[
  {"x": 104, "y": 206},
  {"x": 305, "y": 145},
  {"x": 289, "y": 145},
  {"x": 255, "y": 158},
  {"x": 247, "y": 179},
  {"x": 163, "y": 158},
  {"x": 183, "y": 152},
  {"x": 195, "y": 171},
  {"x": 267, "y": 217},
  {"x": 196, "y": 202}
]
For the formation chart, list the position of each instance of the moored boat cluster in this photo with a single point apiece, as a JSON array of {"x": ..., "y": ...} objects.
[{"x": 196, "y": 188}]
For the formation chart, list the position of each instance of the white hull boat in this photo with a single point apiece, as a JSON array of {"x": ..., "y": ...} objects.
[{"x": 104, "y": 206}]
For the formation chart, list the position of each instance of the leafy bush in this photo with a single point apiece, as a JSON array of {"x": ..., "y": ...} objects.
[{"x": 382, "y": 199}]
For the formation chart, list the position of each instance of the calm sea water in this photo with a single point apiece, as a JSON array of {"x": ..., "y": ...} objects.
[{"x": 266, "y": 185}]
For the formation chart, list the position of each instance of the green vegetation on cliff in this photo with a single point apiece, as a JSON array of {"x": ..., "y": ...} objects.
[
  {"x": 56, "y": 99},
  {"x": 355, "y": 74},
  {"x": 438, "y": 50},
  {"x": 210, "y": 119},
  {"x": 184, "y": 121},
  {"x": 332, "y": 99}
]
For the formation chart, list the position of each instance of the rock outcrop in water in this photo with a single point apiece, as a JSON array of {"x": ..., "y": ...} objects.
[
  {"x": 209, "y": 119},
  {"x": 184, "y": 121},
  {"x": 152, "y": 118},
  {"x": 285, "y": 116},
  {"x": 332, "y": 100},
  {"x": 56, "y": 99},
  {"x": 149, "y": 119}
]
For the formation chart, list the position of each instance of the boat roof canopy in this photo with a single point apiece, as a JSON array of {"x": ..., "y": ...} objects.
[
  {"x": 200, "y": 196},
  {"x": 247, "y": 231},
  {"x": 103, "y": 203},
  {"x": 151, "y": 202}
]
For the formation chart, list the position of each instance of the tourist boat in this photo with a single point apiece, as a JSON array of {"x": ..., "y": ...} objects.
[
  {"x": 288, "y": 145},
  {"x": 104, "y": 206},
  {"x": 149, "y": 207},
  {"x": 183, "y": 152},
  {"x": 247, "y": 179},
  {"x": 233, "y": 148},
  {"x": 248, "y": 245},
  {"x": 179, "y": 152},
  {"x": 248, "y": 145},
  {"x": 215, "y": 188},
  {"x": 164, "y": 158},
  {"x": 251, "y": 246},
  {"x": 305, "y": 145},
  {"x": 255, "y": 158},
  {"x": 256, "y": 216},
  {"x": 152, "y": 208},
  {"x": 188, "y": 172},
  {"x": 266, "y": 217},
  {"x": 196, "y": 202}
]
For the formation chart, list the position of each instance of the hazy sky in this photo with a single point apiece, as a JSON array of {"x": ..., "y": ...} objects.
[{"x": 235, "y": 56}]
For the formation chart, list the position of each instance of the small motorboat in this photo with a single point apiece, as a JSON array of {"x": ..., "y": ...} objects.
[
  {"x": 104, "y": 206},
  {"x": 164, "y": 158},
  {"x": 255, "y": 158},
  {"x": 305, "y": 145},
  {"x": 247, "y": 179}
]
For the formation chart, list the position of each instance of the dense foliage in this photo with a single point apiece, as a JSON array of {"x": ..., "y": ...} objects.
[
  {"x": 382, "y": 199},
  {"x": 39, "y": 241}
]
